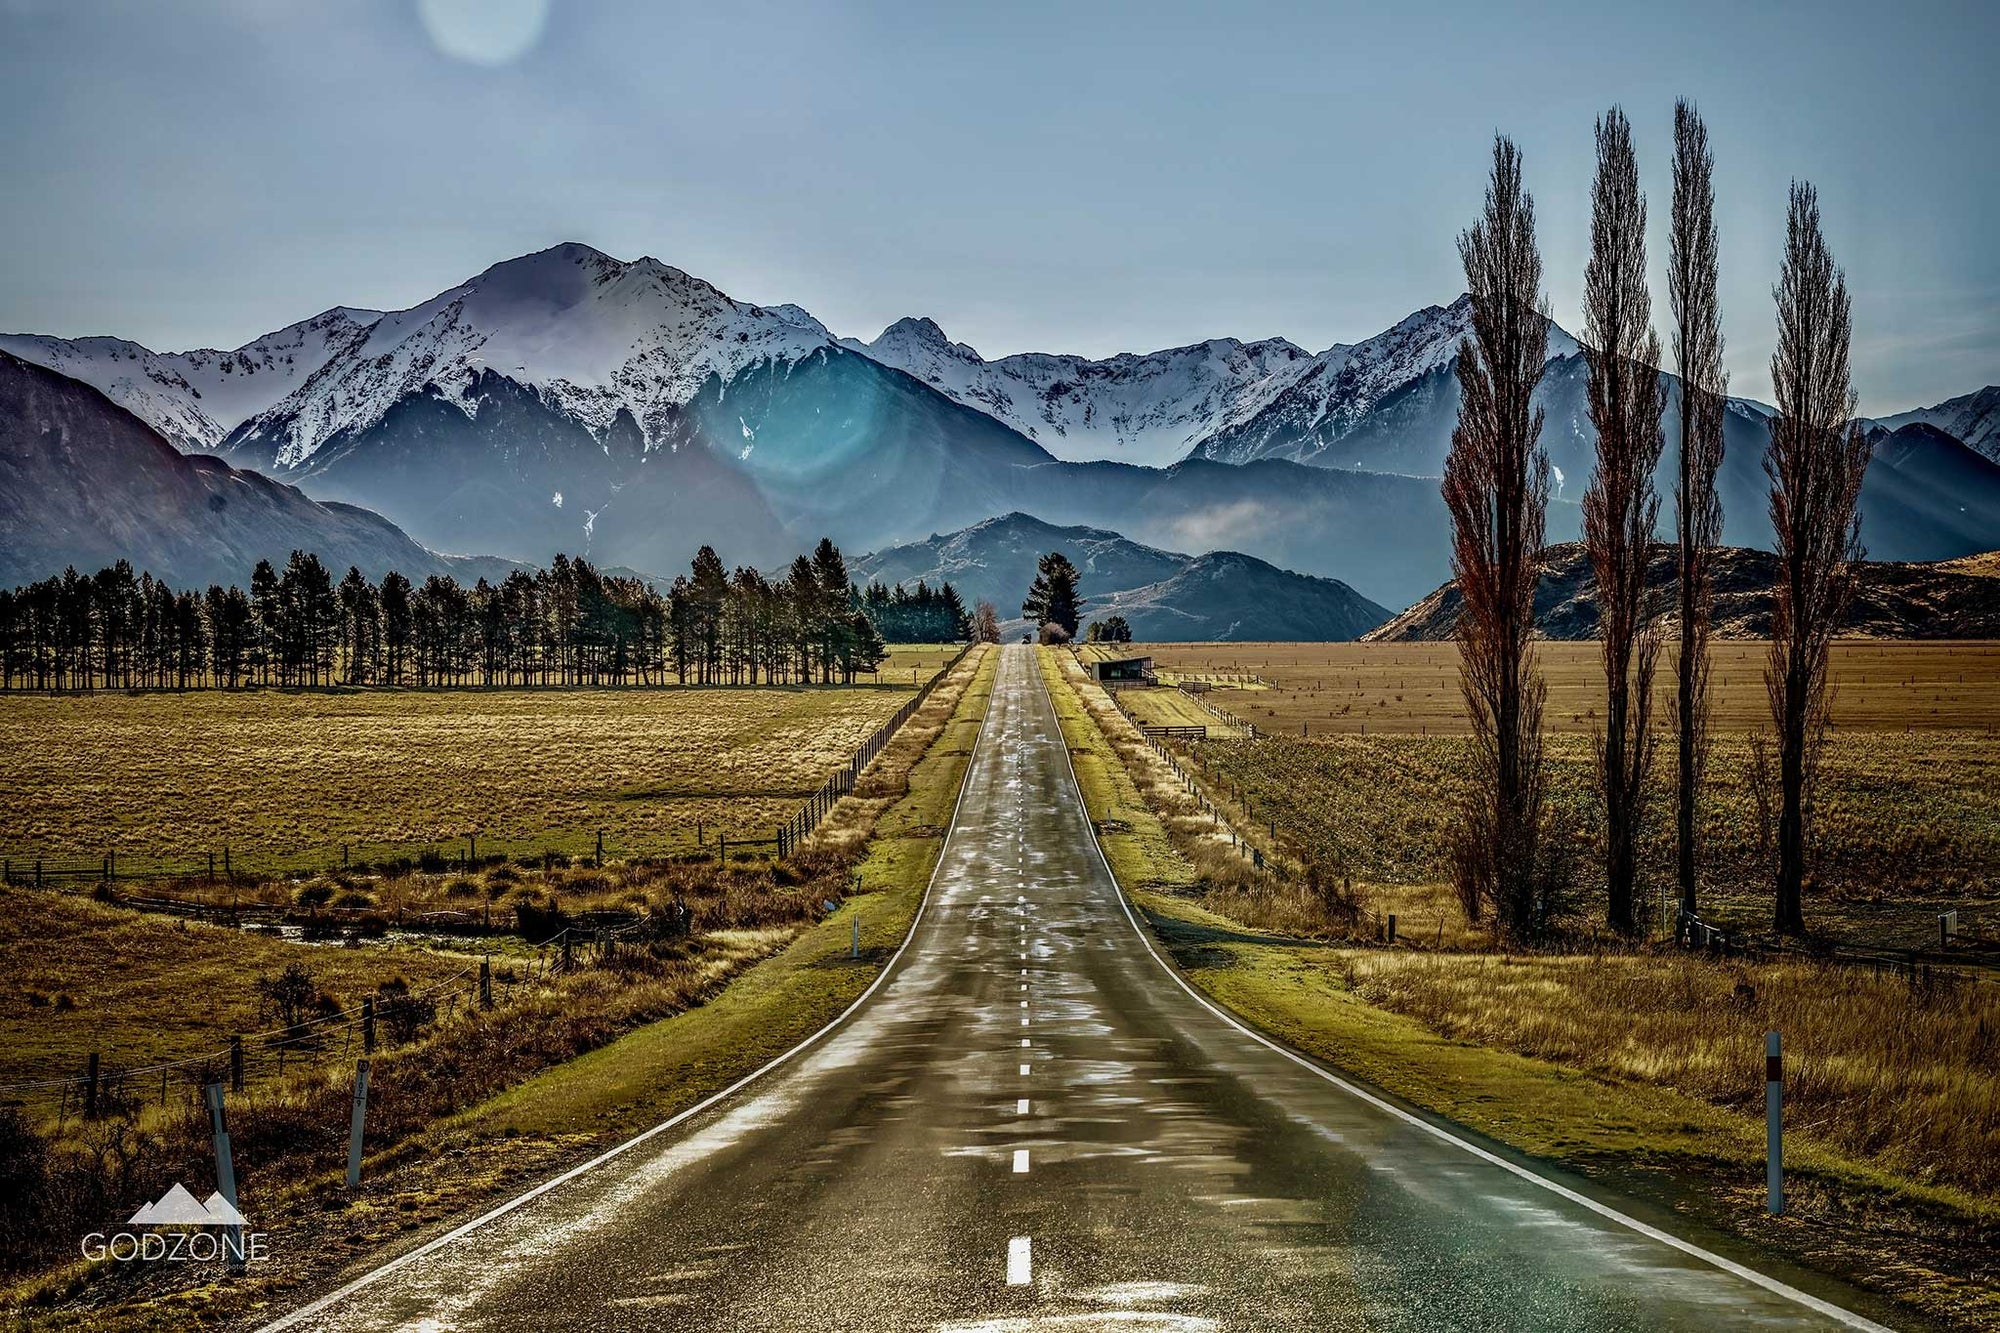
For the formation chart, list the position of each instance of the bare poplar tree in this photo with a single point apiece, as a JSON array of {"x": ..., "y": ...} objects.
[
  {"x": 1620, "y": 510},
  {"x": 1496, "y": 485},
  {"x": 1692, "y": 277},
  {"x": 1816, "y": 459}
]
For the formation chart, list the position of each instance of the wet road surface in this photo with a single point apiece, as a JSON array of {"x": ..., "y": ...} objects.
[{"x": 1031, "y": 1124}]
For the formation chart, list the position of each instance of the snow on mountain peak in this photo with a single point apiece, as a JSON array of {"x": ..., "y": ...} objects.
[
  {"x": 1148, "y": 408},
  {"x": 593, "y": 335},
  {"x": 195, "y": 398}
]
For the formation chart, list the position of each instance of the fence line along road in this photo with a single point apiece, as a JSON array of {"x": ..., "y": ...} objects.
[{"x": 794, "y": 831}]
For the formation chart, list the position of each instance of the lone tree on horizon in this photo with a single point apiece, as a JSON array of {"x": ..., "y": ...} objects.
[
  {"x": 1496, "y": 486},
  {"x": 1052, "y": 598},
  {"x": 1620, "y": 509},
  {"x": 1816, "y": 459},
  {"x": 1692, "y": 276}
]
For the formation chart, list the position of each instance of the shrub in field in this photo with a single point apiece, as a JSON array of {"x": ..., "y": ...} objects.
[
  {"x": 402, "y": 1014},
  {"x": 292, "y": 995}
]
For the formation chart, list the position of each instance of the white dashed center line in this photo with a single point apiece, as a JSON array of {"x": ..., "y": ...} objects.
[
  {"x": 1021, "y": 1106},
  {"x": 1024, "y": 1071},
  {"x": 1020, "y": 1161},
  {"x": 1024, "y": 1043},
  {"x": 1020, "y": 1262}
]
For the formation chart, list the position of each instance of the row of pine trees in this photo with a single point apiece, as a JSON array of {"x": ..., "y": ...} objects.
[{"x": 567, "y": 624}]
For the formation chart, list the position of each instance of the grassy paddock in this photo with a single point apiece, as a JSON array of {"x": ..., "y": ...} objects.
[
  {"x": 1907, "y": 825},
  {"x": 272, "y": 774},
  {"x": 1343, "y": 688}
]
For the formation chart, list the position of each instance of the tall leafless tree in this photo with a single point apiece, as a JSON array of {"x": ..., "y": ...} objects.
[
  {"x": 1816, "y": 459},
  {"x": 1620, "y": 509},
  {"x": 1496, "y": 485},
  {"x": 1692, "y": 276}
]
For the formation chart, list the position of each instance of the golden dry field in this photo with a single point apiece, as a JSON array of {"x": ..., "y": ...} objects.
[
  {"x": 1413, "y": 687},
  {"x": 1171, "y": 708},
  {"x": 275, "y": 774}
]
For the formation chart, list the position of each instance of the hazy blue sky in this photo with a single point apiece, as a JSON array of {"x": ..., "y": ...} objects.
[{"x": 1066, "y": 177}]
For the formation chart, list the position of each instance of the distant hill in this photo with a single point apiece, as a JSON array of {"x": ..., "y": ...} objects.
[
  {"x": 1167, "y": 597},
  {"x": 1954, "y": 599},
  {"x": 84, "y": 482}
]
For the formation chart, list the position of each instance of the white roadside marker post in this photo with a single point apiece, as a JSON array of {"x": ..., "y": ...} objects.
[
  {"x": 854, "y": 950},
  {"x": 355, "y": 1126},
  {"x": 225, "y": 1176},
  {"x": 1774, "y": 1130}
]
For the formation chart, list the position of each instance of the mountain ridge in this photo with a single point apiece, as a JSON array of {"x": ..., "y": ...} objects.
[
  {"x": 1955, "y": 599},
  {"x": 87, "y": 484},
  {"x": 1166, "y": 596}
]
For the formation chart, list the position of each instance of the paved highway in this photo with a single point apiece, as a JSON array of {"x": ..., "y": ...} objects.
[{"x": 1031, "y": 1123}]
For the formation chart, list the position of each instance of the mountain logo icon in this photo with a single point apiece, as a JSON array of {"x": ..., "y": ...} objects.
[{"x": 177, "y": 1207}]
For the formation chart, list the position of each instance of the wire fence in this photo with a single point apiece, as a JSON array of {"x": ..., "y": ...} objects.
[
  {"x": 97, "y": 1089},
  {"x": 794, "y": 831}
]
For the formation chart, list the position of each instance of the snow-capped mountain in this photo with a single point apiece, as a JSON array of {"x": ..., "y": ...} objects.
[
  {"x": 196, "y": 398},
  {"x": 1974, "y": 418},
  {"x": 593, "y": 336},
  {"x": 1151, "y": 409},
  {"x": 570, "y": 401},
  {"x": 1354, "y": 404},
  {"x": 88, "y": 483}
]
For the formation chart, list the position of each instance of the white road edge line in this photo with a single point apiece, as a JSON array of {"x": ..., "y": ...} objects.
[
  {"x": 1687, "y": 1247},
  {"x": 1020, "y": 1262},
  {"x": 402, "y": 1261}
]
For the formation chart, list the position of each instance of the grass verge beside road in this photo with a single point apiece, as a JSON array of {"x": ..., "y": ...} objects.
[{"x": 1874, "y": 1220}]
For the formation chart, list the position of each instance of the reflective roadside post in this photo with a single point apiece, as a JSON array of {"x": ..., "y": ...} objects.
[
  {"x": 355, "y": 1126},
  {"x": 1774, "y": 1130},
  {"x": 225, "y": 1176}
]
